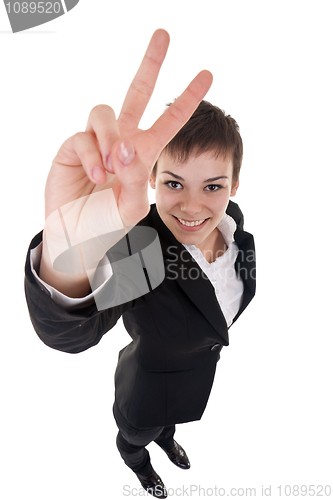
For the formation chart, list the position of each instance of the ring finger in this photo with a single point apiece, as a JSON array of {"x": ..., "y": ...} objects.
[{"x": 103, "y": 124}]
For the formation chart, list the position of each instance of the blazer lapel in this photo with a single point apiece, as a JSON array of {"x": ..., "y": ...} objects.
[
  {"x": 195, "y": 283},
  {"x": 180, "y": 266},
  {"x": 245, "y": 266}
]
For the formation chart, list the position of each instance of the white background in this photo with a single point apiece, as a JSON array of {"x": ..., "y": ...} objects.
[{"x": 269, "y": 417}]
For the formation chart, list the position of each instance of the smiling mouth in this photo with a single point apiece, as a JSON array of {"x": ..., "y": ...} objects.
[{"x": 190, "y": 223}]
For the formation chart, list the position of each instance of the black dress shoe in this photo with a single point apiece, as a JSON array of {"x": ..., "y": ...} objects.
[
  {"x": 178, "y": 456},
  {"x": 153, "y": 484}
]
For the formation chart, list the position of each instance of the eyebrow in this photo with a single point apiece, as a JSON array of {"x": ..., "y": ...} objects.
[{"x": 211, "y": 179}]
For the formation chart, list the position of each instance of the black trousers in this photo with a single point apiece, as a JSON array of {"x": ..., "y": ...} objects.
[{"x": 131, "y": 442}]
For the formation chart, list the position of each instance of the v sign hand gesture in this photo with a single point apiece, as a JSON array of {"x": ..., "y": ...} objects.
[{"x": 115, "y": 157}]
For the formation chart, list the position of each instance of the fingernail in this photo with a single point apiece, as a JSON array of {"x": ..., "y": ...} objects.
[
  {"x": 108, "y": 164},
  {"x": 126, "y": 152},
  {"x": 98, "y": 174}
]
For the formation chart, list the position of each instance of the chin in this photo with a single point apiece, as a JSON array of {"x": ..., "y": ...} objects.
[{"x": 189, "y": 239}]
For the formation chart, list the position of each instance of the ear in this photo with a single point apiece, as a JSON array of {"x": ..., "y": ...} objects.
[
  {"x": 234, "y": 189},
  {"x": 152, "y": 182}
]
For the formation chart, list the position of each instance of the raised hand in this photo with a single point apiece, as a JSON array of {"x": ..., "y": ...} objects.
[{"x": 114, "y": 154}]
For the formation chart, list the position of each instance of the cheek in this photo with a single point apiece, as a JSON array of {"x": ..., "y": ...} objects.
[
  {"x": 164, "y": 200},
  {"x": 219, "y": 205}
]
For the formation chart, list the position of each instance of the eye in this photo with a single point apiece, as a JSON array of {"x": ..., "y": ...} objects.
[
  {"x": 173, "y": 184},
  {"x": 213, "y": 187}
]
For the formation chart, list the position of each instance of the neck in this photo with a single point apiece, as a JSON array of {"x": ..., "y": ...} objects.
[{"x": 215, "y": 247}]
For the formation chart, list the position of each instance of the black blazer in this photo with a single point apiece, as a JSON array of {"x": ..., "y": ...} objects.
[{"x": 165, "y": 375}]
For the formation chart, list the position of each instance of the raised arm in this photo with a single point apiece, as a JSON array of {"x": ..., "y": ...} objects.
[{"x": 112, "y": 160}]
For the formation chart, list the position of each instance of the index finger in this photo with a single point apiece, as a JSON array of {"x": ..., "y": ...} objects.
[
  {"x": 142, "y": 86},
  {"x": 180, "y": 111}
]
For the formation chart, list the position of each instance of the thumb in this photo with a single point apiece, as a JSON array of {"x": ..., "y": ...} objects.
[
  {"x": 133, "y": 176},
  {"x": 129, "y": 168}
]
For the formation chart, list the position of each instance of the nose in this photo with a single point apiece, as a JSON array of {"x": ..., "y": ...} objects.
[{"x": 191, "y": 205}]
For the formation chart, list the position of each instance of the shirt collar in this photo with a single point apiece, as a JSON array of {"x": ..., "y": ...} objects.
[{"x": 227, "y": 226}]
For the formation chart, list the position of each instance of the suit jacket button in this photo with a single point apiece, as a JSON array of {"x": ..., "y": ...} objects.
[{"x": 215, "y": 347}]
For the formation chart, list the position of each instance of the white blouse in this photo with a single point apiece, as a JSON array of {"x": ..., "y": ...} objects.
[{"x": 221, "y": 273}]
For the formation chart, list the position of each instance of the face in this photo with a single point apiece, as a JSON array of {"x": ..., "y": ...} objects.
[{"x": 191, "y": 197}]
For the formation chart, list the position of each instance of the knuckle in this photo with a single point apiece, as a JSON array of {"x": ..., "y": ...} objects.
[
  {"x": 83, "y": 145},
  {"x": 156, "y": 138},
  {"x": 127, "y": 123},
  {"x": 138, "y": 179},
  {"x": 142, "y": 87},
  {"x": 177, "y": 114},
  {"x": 79, "y": 137},
  {"x": 126, "y": 117},
  {"x": 107, "y": 136}
]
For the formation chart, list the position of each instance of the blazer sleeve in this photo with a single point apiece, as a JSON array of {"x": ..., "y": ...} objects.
[{"x": 67, "y": 331}]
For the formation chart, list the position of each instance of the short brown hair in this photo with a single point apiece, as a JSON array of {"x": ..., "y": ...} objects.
[{"x": 208, "y": 129}]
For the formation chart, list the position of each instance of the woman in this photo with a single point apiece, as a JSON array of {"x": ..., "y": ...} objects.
[{"x": 96, "y": 191}]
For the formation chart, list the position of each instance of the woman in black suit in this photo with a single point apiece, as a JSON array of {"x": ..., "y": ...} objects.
[{"x": 178, "y": 318}]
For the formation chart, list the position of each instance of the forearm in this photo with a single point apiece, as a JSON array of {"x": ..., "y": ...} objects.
[
  {"x": 70, "y": 284},
  {"x": 74, "y": 244}
]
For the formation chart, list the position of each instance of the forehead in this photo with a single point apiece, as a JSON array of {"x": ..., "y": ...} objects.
[{"x": 203, "y": 163}]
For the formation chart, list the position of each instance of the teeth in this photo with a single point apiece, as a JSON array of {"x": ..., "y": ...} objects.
[{"x": 193, "y": 223}]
